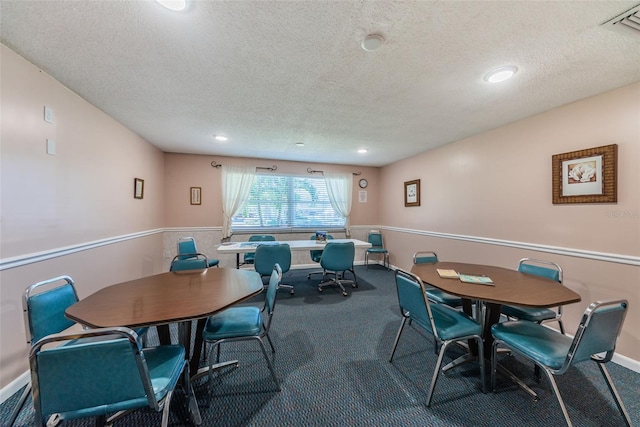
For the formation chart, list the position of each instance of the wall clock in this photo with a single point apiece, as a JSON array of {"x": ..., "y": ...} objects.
[{"x": 363, "y": 183}]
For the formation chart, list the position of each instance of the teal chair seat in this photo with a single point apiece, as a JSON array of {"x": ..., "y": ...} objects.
[
  {"x": 233, "y": 322},
  {"x": 532, "y": 314},
  {"x": 451, "y": 323},
  {"x": 541, "y": 344}
]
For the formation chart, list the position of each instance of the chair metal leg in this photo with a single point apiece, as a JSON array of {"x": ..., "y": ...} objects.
[
  {"x": 16, "y": 410},
  {"x": 395, "y": 342},
  {"x": 614, "y": 393},
  {"x": 269, "y": 364},
  {"x": 556, "y": 391}
]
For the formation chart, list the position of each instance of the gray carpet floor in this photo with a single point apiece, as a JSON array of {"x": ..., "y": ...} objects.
[{"x": 332, "y": 361}]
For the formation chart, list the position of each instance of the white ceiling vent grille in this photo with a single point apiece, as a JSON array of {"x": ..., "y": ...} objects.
[{"x": 627, "y": 23}]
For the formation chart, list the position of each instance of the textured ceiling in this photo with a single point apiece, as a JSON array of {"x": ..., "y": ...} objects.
[{"x": 272, "y": 73}]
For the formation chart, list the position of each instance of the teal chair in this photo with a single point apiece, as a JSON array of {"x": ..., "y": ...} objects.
[
  {"x": 44, "y": 304},
  {"x": 549, "y": 270},
  {"x": 377, "y": 248},
  {"x": 317, "y": 254},
  {"x": 187, "y": 248},
  {"x": 244, "y": 323},
  {"x": 98, "y": 372},
  {"x": 249, "y": 257},
  {"x": 435, "y": 295},
  {"x": 337, "y": 258},
  {"x": 555, "y": 352},
  {"x": 446, "y": 324},
  {"x": 269, "y": 255}
]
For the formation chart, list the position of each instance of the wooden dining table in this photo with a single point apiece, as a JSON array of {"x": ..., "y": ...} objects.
[
  {"x": 173, "y": 297},
  {"x": 509, "y": 287}
]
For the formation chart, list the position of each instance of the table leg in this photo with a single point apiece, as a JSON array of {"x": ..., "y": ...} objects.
[{"x": 237, "y": 259}]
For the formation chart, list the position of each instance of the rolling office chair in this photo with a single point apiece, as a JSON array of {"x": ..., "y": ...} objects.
[
  {"x": 555, "y": 352},
  {"x": 269, "y": 255},
  {"x": 249, "y": 257},
  {"x": 244, "y": 324},
  {"x": 446, "y": 324},
  {"x": 100, "y": 371},
  {"x": 435, "y": 295},
  {"x": 337, "y": 258},
  {"x": 316, "y": 254},
  {"x": 541, "y": 268},
  {"x": 187, "y": 247},
  {"x": 377, "y": 247}
]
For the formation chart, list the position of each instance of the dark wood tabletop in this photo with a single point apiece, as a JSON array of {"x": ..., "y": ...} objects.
[
  {"x": 510, "y": 286},
  {"x": 166, "y": 298}
]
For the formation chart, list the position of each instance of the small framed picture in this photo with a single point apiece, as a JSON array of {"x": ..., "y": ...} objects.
[
  {"x": 412, "y": 193},
  {"x": 195, "y": 195},
  {"x": 138, "y": 188}
]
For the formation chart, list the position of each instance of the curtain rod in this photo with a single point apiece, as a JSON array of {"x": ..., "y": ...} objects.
[
  {"x": 272, "y": 168},
  {"x": 315, "y": 171}
]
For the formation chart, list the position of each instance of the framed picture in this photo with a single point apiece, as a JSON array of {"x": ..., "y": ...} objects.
[
  {"x": 138, "y": 188},
  {"x": 412, "y": 193},
  {"x": 195, "y": 195},
  {"x": 585, "y": 176}
]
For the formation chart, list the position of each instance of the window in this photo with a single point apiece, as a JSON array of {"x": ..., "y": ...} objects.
[{"x": 287, "y": 202}]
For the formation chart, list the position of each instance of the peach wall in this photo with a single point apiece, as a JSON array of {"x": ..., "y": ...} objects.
[
  {"x": 190, "y": 170},
  {"x": 82, "y": 194},
  {"x": 494, "y": 189}
]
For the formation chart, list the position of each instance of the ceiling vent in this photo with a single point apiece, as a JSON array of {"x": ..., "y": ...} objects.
[{"x": 627, "y": 23}]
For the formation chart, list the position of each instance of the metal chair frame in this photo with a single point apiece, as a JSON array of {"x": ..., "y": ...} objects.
[
  {"x": 415, "y": 311},
  {"x": 376, "y": 245},
  {"x": 581, "y": 348}
]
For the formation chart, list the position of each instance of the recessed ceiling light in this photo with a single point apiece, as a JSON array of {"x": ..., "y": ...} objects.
[
  {"x": 501, "y": 74},
  {"x": 362, "y": 150},
  {"x": 176, "y": 5},
  {"x": 300, "y": 144},
  {"x": 372, "y": 42},
  {"x": 220, "y": 138}
]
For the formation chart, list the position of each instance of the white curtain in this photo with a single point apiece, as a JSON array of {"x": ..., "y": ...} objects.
[
  {"x": 236, "y": 185},
  {"x": 339, "y": 189}
]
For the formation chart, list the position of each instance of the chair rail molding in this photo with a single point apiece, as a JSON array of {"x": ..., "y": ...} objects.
[{"x": 577, "y": 253}]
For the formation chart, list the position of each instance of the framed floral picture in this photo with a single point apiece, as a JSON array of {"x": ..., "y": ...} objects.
[
  {"x": 138, "y": 188},
  {"x": 585, "y": 176}
]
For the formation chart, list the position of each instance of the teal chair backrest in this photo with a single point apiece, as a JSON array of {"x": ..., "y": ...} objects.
[
  {"x": 45, "y": 311},
  {"x": 553, "y": 272},
  {"x": 338, "y": 256},
  {"x": 272, "y": 289},
  {"x": 187, "y": 246},
  {"x": 375, "y": 239},
  {"x": 426, "y": 257},
  {"x": 411, "y": 298},
  {"x": 599, "y": 330},
  {"x": 249, "y": 256},
  {"x": 65, "y": 371},
  {"x": 268, "y": 255}
]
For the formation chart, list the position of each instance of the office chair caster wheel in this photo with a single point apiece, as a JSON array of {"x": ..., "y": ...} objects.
[
  {"x": 292, "y": 292},
  {"x": 345, "y": 294},
  {"x": 319, "y": 289}
]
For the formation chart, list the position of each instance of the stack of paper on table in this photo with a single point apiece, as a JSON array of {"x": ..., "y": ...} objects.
[{"x": 447, "y": 274}]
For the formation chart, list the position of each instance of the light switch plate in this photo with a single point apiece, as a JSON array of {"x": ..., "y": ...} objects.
[
  {"x": 51, "y": 147},
  {"x": 48, "y": 114}
]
